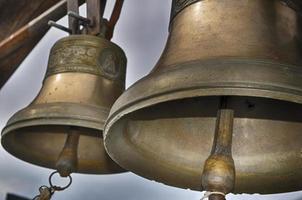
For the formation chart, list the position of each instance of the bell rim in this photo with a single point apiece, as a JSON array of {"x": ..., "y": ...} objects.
[
  {"x": 12, "y": 126},
  {"x": 127, "y": 102},
  {"x": 12, "y": 151},
  {"x": 110, "y": 149},
  {"x": 25, "y": 117}
]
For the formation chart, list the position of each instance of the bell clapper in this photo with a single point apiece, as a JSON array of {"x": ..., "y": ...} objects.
[
  {"x": 67, "y": 161},
  {"x": 66, "y": 164},
  {"x": 218, "y": 176}
]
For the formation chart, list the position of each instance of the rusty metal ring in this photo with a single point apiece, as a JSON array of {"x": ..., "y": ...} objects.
[{"x": 55, "y": 187}]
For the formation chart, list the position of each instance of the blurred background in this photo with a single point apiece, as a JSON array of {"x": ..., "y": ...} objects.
[{"x": 141, "y": 32}]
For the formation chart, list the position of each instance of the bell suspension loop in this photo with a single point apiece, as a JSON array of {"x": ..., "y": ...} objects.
[
  {"x": 94, "y": 23},
  {"x": 218, "y": 177}
]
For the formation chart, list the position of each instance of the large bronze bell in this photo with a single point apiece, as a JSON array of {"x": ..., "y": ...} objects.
[
  {"x": 163, "y": 126},
  {"x": 85, "y": 76}
]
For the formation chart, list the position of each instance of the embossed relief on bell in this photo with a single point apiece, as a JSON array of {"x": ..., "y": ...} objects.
[
  {"x": 87, "y": 55},
  {"x": 109, "y": 63},
  {"x": 72, "y": 58}
]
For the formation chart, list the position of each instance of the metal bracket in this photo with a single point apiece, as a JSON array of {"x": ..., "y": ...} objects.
[
  {"x": 58, "y": 26},
  {"x": 95, "y": 12},
  {"x": 73, "y": 5},
  {"x": 91, "y": 24}
]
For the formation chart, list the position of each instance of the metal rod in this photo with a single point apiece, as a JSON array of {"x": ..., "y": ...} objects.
[
  {"x": 58, "y": 26},
  {"x": 95, "y": 12},
  {"x": 83, "y": 20},
  {"x": 224, "y": 129},
  {"x": 73, "y": 5}
]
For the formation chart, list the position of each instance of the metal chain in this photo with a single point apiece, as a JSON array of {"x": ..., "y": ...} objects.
[{"x": 46, "y": 192}]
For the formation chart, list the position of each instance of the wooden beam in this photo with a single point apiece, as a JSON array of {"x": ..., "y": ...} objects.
[{"x": 15, "y": 48}]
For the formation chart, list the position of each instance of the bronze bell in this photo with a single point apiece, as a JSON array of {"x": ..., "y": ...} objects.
[
  {"x": 163, "y": 126},
  {"x": 85, "y": 76}
]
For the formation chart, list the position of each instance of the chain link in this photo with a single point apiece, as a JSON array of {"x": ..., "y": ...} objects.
[{"x": 46, "y": 192}]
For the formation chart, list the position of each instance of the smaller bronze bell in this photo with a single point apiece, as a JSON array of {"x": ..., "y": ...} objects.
[{"x": 85, "y": 75}]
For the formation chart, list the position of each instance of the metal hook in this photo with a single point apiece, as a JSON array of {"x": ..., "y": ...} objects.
[
  {"x": 82, "y": 20},
  {"x": 58, "y": 26}
]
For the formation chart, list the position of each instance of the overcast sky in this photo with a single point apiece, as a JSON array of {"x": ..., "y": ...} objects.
[{"x": 142, "y": 32}]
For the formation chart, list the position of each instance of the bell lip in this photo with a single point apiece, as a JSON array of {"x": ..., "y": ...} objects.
[
  {"x": 27, "y": 121},
  {"x": 52, "y": 114},
  {"x": 133, "y": 99},
  {"x": 8, "y": 147}
]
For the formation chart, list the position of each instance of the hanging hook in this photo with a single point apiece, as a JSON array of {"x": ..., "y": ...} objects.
[
  {"x": 82, "y": 20},
  {"x": 58, "y": 26}
]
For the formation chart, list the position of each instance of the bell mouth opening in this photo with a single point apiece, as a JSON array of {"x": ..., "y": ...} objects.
[
  {"x": 42, "y": 144},
  {"x": 170, "y": 141}
]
